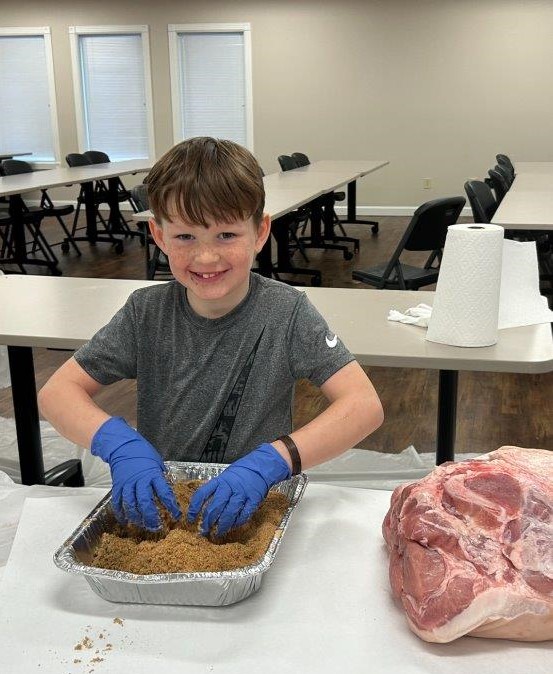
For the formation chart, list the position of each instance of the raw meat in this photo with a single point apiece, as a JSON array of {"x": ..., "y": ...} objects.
[{"x": 471, "y": 548}]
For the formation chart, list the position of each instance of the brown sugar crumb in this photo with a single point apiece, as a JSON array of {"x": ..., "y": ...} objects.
[
  {"x": 78, "y": 647},
  {"x": 179, "y": 547},
  {"x": 97, "y": 659},
  {"x": 108, "y": 647},
  {"x": 119, "y": 621},
  {"x": 76, "y": 661},
  {"x": 87, "y": 642}
]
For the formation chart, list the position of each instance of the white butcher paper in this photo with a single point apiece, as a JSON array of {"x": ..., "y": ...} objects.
[{"x": 324, "y": 606}]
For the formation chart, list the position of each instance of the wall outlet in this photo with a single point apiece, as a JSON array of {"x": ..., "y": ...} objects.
[{"x": 426, "y": 183}]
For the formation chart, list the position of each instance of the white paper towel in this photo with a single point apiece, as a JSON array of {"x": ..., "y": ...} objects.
[
  {"x": 520, "y": 302},
  {"x": 466, "y": 305}
]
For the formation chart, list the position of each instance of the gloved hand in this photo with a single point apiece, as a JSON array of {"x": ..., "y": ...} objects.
[
  {"x": 136, "y": 472},
  {"x": 239, "y": 490}
]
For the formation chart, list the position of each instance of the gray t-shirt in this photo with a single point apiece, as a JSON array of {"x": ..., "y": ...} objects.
[{"x": 213, "y": 389}]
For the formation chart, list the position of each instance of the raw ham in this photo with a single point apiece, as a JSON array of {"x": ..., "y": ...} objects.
[{"x": 471, "y": 548}]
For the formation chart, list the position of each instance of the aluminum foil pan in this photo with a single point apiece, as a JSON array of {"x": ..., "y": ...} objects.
[{"x": 187, "y": 589}]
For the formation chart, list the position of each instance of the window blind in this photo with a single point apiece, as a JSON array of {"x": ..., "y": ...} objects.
[
  {"x": 114, "y": 96},
  {"x": 212, "y": 85},
  {"x": 25, "y": 122}
]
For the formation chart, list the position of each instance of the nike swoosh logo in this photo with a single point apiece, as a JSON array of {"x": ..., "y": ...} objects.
[{"x": 331, "y": 343}]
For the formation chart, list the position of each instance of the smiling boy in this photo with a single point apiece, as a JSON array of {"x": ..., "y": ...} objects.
[{"x": 215, "y": 353}]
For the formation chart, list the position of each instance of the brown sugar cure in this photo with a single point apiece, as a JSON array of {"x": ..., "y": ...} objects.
[{"x": 180, "y": 548}]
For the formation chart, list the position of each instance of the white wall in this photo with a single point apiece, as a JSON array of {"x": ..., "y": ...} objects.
[{"x": 438, "y": 87}]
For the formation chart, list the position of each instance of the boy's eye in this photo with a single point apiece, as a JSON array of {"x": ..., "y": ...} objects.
[
  {"x": 227, "y": 235},
  {"x": 185, "y": 237}
]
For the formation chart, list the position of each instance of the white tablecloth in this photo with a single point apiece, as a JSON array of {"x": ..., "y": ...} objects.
[{"x": 324, "y": 606}]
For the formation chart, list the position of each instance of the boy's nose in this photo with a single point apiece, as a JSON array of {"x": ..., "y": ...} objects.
[{"x": 207, "y": 254}]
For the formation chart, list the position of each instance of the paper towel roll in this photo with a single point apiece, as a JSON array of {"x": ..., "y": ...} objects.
[{"x": 466, "y": 306}]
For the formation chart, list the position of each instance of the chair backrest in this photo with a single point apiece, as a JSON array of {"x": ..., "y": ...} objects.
[
  {"x": 96, "y": 157},
  {"x": 14, "y": 167},
  {"x": 504, "y": 159},
  {"x": 428, "y": 227},
  {"x": 140, "y": 195},
  {"x": 287, "y": 163},
  {"x": 76, "y": 159},
  {"x": 481, "y": 199},
  {"x": 499, "y": 183},
  {"x": 301, "y": 159},
  {"x": 506, "y": 172}
]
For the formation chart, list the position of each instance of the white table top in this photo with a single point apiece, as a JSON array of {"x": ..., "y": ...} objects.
[
  {"x": 322, "y": 181},
  {"x": 65, "y": 312},
  {"x": 9, "y": 155},
  {"x": 287, "y": 190},
  {"x": 324, "y": 606},
  {"x": 528, "y": 205},
  {"x": 357, "y": 167},
  {"x": 58, "y": 177},
  {"x": 534, "y": 167}
]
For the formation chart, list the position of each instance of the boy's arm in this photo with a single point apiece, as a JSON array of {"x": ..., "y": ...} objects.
[
  {"x": 66, "y": 401},
  {"x": 137, "y": 469},
  {"x": 355, "y": 411}
]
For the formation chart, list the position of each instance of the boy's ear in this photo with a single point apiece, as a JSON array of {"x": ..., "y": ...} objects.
[
  {"x": 263, "y": 232},
  {"x": 158, "y": 235}
]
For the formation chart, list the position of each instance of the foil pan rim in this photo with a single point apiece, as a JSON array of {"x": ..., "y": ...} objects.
[{"x": 64, "y": 557}]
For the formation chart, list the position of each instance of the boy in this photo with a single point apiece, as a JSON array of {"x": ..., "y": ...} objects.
[{"x": 215, "y": 353}]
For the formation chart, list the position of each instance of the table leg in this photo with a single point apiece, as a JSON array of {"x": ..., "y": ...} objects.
[
  {"x": 27, "y": 426},
  {"x": 280, "y": 230},
  {"x": 352, "y": 209},
  {"x": 90, "y": 211},
  {"x": 114, "y": 212},
  {"x": 447, "y": 413},
  {"x": 27, "y": 423}
]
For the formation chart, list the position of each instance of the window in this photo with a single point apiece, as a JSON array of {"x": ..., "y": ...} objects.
[
  {"x": 113, "y": 92},
  {"x": 211, "y": 81},
  {"x": 28, "y": 118}
]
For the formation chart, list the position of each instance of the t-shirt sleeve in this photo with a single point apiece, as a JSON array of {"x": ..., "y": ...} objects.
[
  {"x": 315, "y": 351},
  {"x": 111, "y": 354}
]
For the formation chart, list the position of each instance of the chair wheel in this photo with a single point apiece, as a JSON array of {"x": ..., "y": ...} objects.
[
  {"x": 348, "y": 255},
  {"x": 316, "y": 281},
  {"x": 119, "y": 247},
  {"x": 374, "y": 229},
  {"x": 65, "y": 247}
]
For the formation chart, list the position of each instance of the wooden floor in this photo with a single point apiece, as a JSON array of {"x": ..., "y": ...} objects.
[{"x": 493, "y": 409}]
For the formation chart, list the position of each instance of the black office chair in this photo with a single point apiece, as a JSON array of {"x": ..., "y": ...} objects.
[
  {"x": 123, "y": 194},
  {"x": 504, "y": 160},
  {"x": 507, "y": 174},
  {"x": 499, "y": 184},
  {"x": 288, "y": 163},
  {"x": 481, "y": 200},
  {"x": 12, "y": 167},
  {"x": 303, "y": 160},
  {"x": 426, "y": 232},
  {"x": 156, "y": 262},
  {"x": 100, "y": 197},
  {"x": 7, "y": 253}
]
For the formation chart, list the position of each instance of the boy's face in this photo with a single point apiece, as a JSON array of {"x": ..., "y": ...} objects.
[{"x": 213, "y": 263}]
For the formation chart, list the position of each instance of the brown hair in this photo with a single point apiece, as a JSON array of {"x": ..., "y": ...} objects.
[{"x": 205, "y": 178}]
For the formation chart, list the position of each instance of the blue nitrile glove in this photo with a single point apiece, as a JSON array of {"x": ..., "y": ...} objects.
[
  {"x": 136, "y": 472},
  {"x": 239, "y": 490}
]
